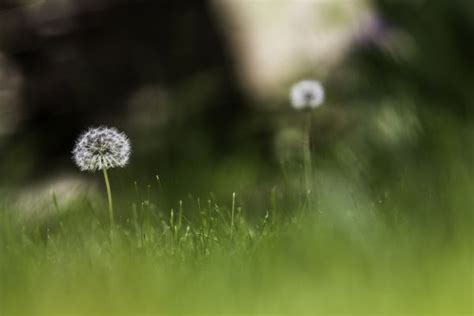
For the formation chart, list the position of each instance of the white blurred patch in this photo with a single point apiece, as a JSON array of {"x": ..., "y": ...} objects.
[
  {"x": 276, "y": 40},
  {"x": 307, "y": 94},
  {"x": 45, "y": 199}
]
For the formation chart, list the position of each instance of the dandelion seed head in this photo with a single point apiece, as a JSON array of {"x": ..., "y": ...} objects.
[
  {"x": 101, "y": 147},
  {"x": 307, "y": 94}
]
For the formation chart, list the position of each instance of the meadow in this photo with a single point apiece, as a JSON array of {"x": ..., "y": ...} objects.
[{"x": 354, "y": 246}]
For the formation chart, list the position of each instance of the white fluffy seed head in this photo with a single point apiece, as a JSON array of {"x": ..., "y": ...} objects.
[
  {"x": 101, "y": 147},
  {"x": 307, "y": 94}
]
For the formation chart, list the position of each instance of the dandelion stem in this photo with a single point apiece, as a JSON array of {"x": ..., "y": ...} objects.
[
  {"x": 232, "y": 216},
  {"x": 109, "y": 197},
  {"x": 307, "y": 163}
]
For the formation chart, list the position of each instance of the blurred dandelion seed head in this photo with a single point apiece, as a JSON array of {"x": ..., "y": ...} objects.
[
  {"x": 101, "y": 147},
  {"x": 307, "y": 94}
]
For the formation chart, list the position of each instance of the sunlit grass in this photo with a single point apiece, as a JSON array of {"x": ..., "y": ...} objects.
[{"x": 349, "y": 263}]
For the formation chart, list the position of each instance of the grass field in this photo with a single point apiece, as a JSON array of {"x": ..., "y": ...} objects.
[{"x": 402, "y": 248}]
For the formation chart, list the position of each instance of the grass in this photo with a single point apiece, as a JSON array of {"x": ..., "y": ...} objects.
[{"x": 404, "y": 248}]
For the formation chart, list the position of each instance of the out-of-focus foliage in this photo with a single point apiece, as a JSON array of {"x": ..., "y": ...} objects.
[
  {"x": 407, "y": 81},
  {"x": 420, "y": 49}
]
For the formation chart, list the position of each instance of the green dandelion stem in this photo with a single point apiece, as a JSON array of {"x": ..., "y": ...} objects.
[
  {"x": 109, "y": 197},
  {"x": 307, "y": 164},
  {"x": 232, "y": 216}
]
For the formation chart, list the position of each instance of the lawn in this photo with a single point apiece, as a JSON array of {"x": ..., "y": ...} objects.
[{"x": 401, "y": 248}]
